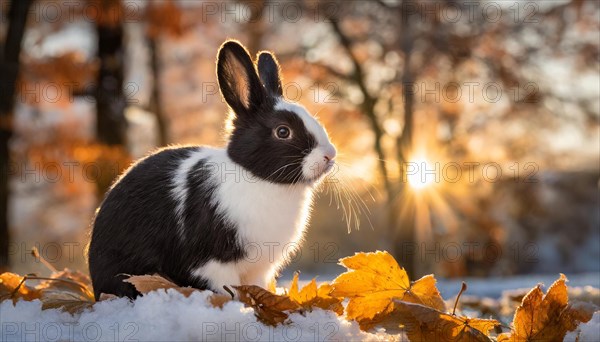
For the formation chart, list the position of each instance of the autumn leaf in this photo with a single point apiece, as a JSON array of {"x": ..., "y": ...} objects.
[
  {"x": 149, "y": 283},
  {"x": 269, "y": 308},
  {"x": 107, "y": 296},
  {"x": 326, "y": 301},
  {"x": 272, "y": 286},
  {"x": 294, "y": 293},
  {"x": 374, "y": 280},
  {"x": 546, "y": 318},
  {"x": 423, "y": 323},
  {"x": 65, "y": 303},
  {"x": 312, "y": 296},
  {"x": 12, "y": 286},
  {"x": 74, "y": 284},
  {"x": 217, "y": 300},
  {"x": 66, "y": 290}
]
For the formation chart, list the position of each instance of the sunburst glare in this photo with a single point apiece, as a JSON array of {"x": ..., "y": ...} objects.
[{"x": 420, "y": 173}]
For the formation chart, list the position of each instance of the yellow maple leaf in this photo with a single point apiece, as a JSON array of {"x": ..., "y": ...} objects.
[
  {"x": 545, "y": 318},
  {"x": 272, "y": 286},
  {"x": 374, "y": 280},
  {"x": 423, "y": 323},
  {"x": 12, "y": 286},
  {"x": 311, "y": 296}
]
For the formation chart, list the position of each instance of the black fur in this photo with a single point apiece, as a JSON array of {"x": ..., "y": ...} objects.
[
  {"x": 237, "y": 77},
  {"x": 253, "y": 146},
  {"x": 137, "y": 229},
  {"x": 268, "y": 70},
  {"x": 202, "y": 220},
  {"x": 252, "y": 143}
]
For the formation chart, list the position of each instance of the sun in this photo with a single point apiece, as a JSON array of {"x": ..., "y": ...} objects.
[{"x": 420, "y": 173}]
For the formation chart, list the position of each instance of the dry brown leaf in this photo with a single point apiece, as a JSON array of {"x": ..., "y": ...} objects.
[
  {"x": 149, "y": 283},
  {"x": 218, "y": 300},
  {"x": 310, "y": 296},
  {"x": 66, "y": 290},
  {"x": 374, "y": 280},
  {"x": 423, "y": 323},
  {"x": 269, "y": 308},
  {"x": 65, "y": 303},
  {"x": 107, "y": 296},
  {"x": 12, "y": 286},
  {"x": 546, "y": 318},
  {"x": 73, "y": 284}
]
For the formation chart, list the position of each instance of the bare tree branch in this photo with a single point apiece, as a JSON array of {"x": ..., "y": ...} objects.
[{"x": 368, "y": 105}]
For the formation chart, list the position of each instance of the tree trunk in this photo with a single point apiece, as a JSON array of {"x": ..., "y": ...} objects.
[
  {"x": 256, "y": 25},
  {"x": 110, "y": 99},
  {"x": 111, "y": 125},
  {"x": 155, "y": 104},
  {"x": 405, "y": 244},
  {"x": 9, "y": 70},
  {"x": 368, "y": 109}
]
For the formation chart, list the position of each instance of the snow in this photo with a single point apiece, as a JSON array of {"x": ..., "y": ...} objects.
[
  {"x": 495, "y": 286},
  {"x": 78, "y": 36},
  {"x": 589, "y": 331},
  {"x": 169, "y": 316},
  {"x": 492, "y": 287}
]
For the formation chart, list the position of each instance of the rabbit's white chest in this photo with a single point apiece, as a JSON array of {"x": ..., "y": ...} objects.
[{"x": 270, "y": 218}]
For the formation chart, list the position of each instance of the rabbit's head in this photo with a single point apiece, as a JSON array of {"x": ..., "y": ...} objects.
[{"x": 275, "y": 140}]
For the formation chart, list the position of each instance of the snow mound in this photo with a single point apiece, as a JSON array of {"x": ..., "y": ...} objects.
[
  {"x": 169, "y": 316},
  {"x": 585, "y": 332}
]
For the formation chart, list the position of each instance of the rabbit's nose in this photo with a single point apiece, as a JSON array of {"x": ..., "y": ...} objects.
[{"x": 329, "y": 153}]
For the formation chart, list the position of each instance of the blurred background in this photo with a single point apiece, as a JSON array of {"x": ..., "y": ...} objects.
[{"x": 468, "y": 131}]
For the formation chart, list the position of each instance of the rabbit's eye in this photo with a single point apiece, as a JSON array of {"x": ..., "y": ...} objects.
[{"x": 283, "y": 132}]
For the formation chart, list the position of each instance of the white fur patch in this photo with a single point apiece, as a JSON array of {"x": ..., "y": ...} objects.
[
  {"x": 219, "y": 274},
  {"x": 311, "y": 124},
  {"x": 179, "y": 190},
  {"x": 270, "y": 218},
  {"x": 314, "y": 164}
]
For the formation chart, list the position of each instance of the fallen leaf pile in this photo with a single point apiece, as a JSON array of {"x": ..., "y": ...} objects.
[
  {"x": 67, "y": 290},
  {"x": 378, "y": 293}
]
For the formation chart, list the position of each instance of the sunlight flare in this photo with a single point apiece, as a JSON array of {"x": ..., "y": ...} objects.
[{"x": 419, "y": 173}]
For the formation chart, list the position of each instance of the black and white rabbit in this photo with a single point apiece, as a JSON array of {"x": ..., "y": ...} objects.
[{"x": 207, "y": 217}]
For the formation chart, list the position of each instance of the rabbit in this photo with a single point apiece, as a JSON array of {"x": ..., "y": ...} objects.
[{"x": 212, "y": 217}]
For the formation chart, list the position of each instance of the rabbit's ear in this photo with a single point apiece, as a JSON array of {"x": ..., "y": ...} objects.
[
  {"x": 268, "y": 70},
  {"x": 238, "y": 80}
]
